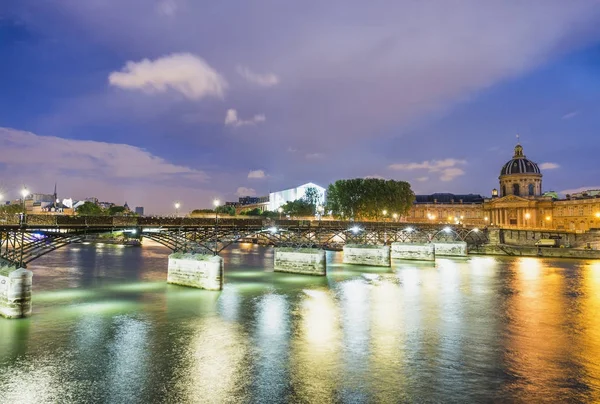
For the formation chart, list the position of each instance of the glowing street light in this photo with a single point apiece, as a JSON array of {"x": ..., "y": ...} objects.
[
  {"x": 280, "y": 210},
  {"x": 527, "y": 217},
  {"x": 395, "y": 216},
  {"x": 216, "y": 203},
  {"x": 597, "y": 215},
  {"x": 177, "y": 206},
  {"x": 447, "y": 229}
]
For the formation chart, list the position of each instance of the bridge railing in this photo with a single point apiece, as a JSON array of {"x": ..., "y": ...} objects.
[{"x": 10, "y": 219}]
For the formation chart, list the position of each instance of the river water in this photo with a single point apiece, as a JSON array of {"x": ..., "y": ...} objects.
[{"x": 107, "y": 328}]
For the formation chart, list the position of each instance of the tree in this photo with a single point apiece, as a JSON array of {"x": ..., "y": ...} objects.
[
  {"x": 225, "y": 210},
  {"x": 361, "y": 198},
  {"x": 12, "y": 209},
  {"x": 90, "y": 209},
  {"x": 299, "y": 207},
  {"x": 312, "y": 197},
  {"x": 116, "y": 210},
  {"x": 252, "y": 212}
]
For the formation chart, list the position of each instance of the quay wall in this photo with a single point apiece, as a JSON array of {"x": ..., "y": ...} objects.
[{"x": 451, "y": 249}]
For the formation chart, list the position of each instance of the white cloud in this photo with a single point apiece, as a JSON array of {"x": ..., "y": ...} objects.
[
  {"x": 448, "y": 168},
  {"x": 109, "y": 171},
  {"x": 570, "y": 115},
  {"x": 243, "y": 191},
  {"x": 257, "y": 174},
  {"x": 231, "y": 119},
  {"x": 108, "y": 160},
  {"x": 166, "y": 7},
  {"x": 422, "y": 179},
  {"x": 265, "y": 80},
  {"x": 185, "y": 73},
  {"x": 313, "y": 156},
  {"x": 548, "y": 166}
]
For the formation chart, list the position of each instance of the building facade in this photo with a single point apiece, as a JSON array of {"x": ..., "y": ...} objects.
[
  {"x": 280, "y": 198},
  {"x": 520, "y": 203}
]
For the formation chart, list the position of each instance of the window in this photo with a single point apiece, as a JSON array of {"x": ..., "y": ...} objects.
[
  {"x": 531, "y": 192},
  {"x": 516, "y": 190}
]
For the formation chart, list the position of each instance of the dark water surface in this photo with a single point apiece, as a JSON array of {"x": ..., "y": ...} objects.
[{"x": 107, "y": 328}]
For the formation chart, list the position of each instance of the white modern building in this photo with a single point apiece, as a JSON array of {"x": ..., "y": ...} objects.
[{"x": 279, "y": 198}]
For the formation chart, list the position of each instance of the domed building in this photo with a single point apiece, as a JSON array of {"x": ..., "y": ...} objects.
[
  {"x": 520, "y": 203},
  {"x": 520, "y": 176}
]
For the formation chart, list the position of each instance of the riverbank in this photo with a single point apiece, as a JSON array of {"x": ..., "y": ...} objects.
[{"x": 532, "y": 251}]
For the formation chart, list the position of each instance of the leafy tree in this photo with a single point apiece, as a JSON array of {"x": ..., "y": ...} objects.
[
  {"x": 12, "y": 209},
  {"x": 361, "y": 198},
  {"x": 252, "y": 212},
  {"x": 201, "y": 211},
  {"x": 116, "y": 210},
  {"x": 90, "y": 209},
  {"x": 312, "y": 197},
  {"x": 299, "y": 207},
  {"x": 225, "y": 210}
]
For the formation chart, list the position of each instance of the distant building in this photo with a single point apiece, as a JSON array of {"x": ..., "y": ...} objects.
[
  {"x": 42, "y": 198},
  {"x": 250, "y": 200},
  {"x": 92, "y": 200},
  {"x": 279, "y": 198},
  {"x": 590, "y": 193},
  {"x": 105, "y": 205},
  {"x": 139, "y": 210}
]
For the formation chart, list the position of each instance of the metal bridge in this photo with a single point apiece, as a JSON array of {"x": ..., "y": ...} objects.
[{"x": 24, "y": 238}]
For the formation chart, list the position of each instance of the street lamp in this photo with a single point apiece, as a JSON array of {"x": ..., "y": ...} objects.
[
  {"x": 384, "y": 214},
  {"x": 24, "y": 194},
  {"x": 395, "y": 216},
  {"x": 177, "y": 206},
  {"x": 527, "y": 216},
  {"x": 280, "y": 210}
]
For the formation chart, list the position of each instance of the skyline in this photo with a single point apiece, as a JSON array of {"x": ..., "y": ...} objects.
[{"x": 189, "y": 102}]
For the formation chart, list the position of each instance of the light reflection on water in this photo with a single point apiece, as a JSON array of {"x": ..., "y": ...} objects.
[{"x": 107, "y": 328}]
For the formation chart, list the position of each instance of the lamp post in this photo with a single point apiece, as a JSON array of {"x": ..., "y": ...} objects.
[
  {"x": 395, "y": 216},
  {"x": 384, "y": 212},
  {"x": 527, "y": 217},
  {"x": 177, "y": 206},
  {"x": 280, "y": 210},
  {"x": 24, "y": 193}
]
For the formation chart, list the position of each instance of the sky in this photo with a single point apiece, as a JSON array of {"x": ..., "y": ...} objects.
[{"x": 155, "y": 101}]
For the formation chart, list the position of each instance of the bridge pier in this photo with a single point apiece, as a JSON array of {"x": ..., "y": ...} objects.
[
  {"x": 451, "y": 248},
  {"x": 414, "y": 251},
  {"x": 307, "y": 261},
  {"x": 15, "y": 291},
  {"x": 366, "y": 254},
  {"x": 196, "y": 270}
]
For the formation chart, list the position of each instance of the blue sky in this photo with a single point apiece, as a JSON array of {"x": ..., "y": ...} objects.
[{"x": 155, "y": 101}]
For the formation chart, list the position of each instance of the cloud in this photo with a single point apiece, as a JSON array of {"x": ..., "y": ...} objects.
[
  {"x": 548, "y": 166},
  {"x": 110, "y": 171},
  {"x": 375, "y": 177},
  {"x": 166, "y": 7},
  {"x": 422, "y": 179},
  {"x": 231, "y": 119},
  {"x": 570, "y": 115},
  {"x": 257, "y": 174},
  {"x": 313, "y": 156},
  {"x": 264, "y": 80},
  {"x": 447, "y": 168},
  {"x": 243, "y": 191},
  {"x": 185, "y": 73}
]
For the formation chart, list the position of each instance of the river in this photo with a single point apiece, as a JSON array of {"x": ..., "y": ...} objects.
[{"x": 107, "y": 328}]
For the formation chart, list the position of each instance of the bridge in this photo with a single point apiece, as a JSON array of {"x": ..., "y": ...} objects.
[{"x": 26, "y": 238}]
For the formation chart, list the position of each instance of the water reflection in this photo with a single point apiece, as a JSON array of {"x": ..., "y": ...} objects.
[{"x": 106, "y": 328}]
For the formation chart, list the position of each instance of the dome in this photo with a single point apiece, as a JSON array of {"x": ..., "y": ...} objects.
[{"x": 519, "y": 164}]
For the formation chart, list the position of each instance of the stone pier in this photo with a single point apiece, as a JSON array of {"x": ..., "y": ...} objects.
[
  {"x": 309, "y": 261},
  {"x": 375, "y": 255},
  {"x": 196, "y": 270},
  {"x": 413, "y": 251},
  {"x": 15, "y": 291},
  {"x": 451, "y": 249}
]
